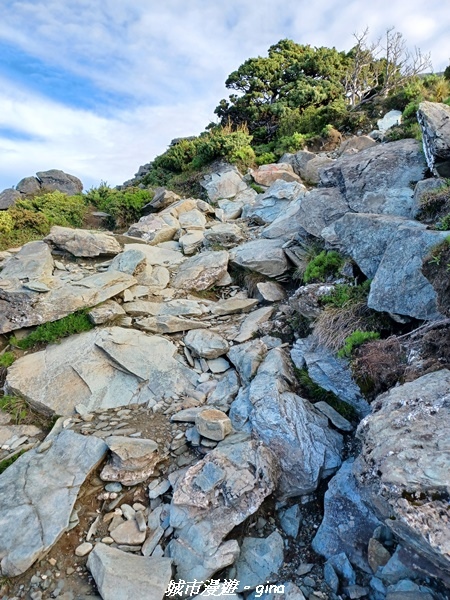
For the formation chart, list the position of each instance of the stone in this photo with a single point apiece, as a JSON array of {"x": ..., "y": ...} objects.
[
  {"x": 213, "y": 424},
  {"x": 159, "y": 489},
  {"x": 225, "y": 392},
  {"x": 54, "y": 179},
  {"x": 348, "y": 523},
  {"x": 269, "y": 291},
  {"x": 15, "y": 432},
  {"x": 206, "y": 344},
  {"x": 218, "y": 365},
  {"x": 33, "y": 262},
  {"x": 250, "y": 324},
  {"x": 224, "y": 234},
  {"x": 226, "y": 183},
  {"x": 232, "y": 209},
  {"x": 168, "y": 324},
  {"x": 377, "y": 555},
  {"x": 434, "y": 119},
  {"x": 390, "y": 119},
  {"x": 105, "y": 313},
  {"x": 247, "y": 357},
  {"x": 132, "y": 460},
  {"x": 262, "y": 255},
  {"x": 37, "y": 495},
  {"x": 155, "y": 229},
  {"x": 202, "y": 271},
  {"x": 121, "y": 576},
  {"x": 259, "y": 561},
  {"x": 192, "y": 219},
  {"x": 8, "y": 197},
  {"x": 320, "y": 208},
  {"x": 101, "y": 369},
  {"x": 82, "y": 242},
  {"x": 268, "y": 174},
  {"x": 365, "y": 237},
  {"x": 83, "y": 549},
  {"x": 298, "y": 161},
  {"x": 338, "y": 420},
  {"x": 128, "y": 533},
  {"x": 290, "y": 520},
  {"x": 29, "y": 186},
  {"x": 273, "y": 202},
  {"x": 399, "y": 286},
  {"x": 287, "y": 225},
  {"x": 405, "y": 454},
  {"x": 231, "y": 306},
  {"x": 152, "y": 541},
  {"x": 378, "y": 179},
  {"x": 314, "y": 167},
  {"x": 190, "y": 242},
  {"x": 158, "y": 257},
  {"x": 162, "y": 199},
  {"x": 241, "y": 474},
  {"x": 356, "y": 142}
]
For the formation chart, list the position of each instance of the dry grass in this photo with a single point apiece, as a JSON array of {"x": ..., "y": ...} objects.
[{"x": 334, "y": 325}]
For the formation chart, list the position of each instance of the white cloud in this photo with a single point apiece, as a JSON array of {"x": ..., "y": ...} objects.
[{"x": 172, "y": 58}]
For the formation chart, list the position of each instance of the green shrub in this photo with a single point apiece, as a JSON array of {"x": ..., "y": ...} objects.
[
  {"x": 14, "y": 406},
  {"x": 258, "y": 189},
  {"x": 56, "y": 330},
  {"x": 356, "y": 339},
  {"x": 266, "y": 158},
  {"x": 444, "y": 223},
  {"x": 6, "y": 222},
  {"x": 58, "y": 208},
  {"x": 7, "y": 359},
  {"x": 324, "y": 265},
  {"x": 344, "y": 294},
  {"x": 125, "y": 206}
]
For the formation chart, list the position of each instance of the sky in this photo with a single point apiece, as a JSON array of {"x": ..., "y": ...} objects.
[{"x": 97, "y": 88}]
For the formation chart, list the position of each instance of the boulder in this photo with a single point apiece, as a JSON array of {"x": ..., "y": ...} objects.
[
  {"x": 81, "y": 242},
  {"x": 298, "y": 161},
  {"x": 101, "y": 369},
  {"x": 231, "y": 209},
  {"x": 348, "y": 523},
  {"x": 247, "y": 357},
  {"x": 226, "y": 183},
  {"x": 213, "y": 424},
  {"x": 259, "y": 561},
  {"x": 250, "y": 325},
  {"x": 206, "y": 344},
  {"x": 378, "y": 179},
  {"x": 434, "y": 118},
  {"x": 268, "y": 174},
  {"x": 8, "y": 197},
  {"x": 356, "y": 143},
  {"x": 158, "y": 257},
  {"x": 132, "y": 460},
  {"x": 37, "y": 496},
  {"x": 190, "y": 242},
  {"x": 270, "y": 291},
  {"x": 399, "y": 286},
  {"x": 121, "y": 575},
  {"x": 131, "y": 262},
  {"x": 314, "y": 167},
  {"x": 28, "y": 186},
  {"x": 33, "y": 262},
  {"x": 155, "y": 229},
  {"x": 224, "y": 234},
  {"x": 274, "y": 202},
  {"x": 168, "y": 324},
  {"x": 161, "y": 199},
  {"x": 214, "y": 496},
  {"x": 192, "y": 219},
  {"x": 262, "y": 255},
  {"x": 231, "y": 306},
  {"x": 404, "y": 465},
  {"x": 365, "y": 237},
  {"x": 58, "y": 180},
  {"x": 320, "y": 208},
  {"x": 106, "y": 313},
  {"x": 202, "y": 271}
]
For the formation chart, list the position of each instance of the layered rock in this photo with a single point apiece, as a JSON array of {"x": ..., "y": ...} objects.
[{"x": 434, "y": 118}]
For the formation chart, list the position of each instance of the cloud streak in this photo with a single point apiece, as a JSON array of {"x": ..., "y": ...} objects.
[{"x": 99, "y": 88}]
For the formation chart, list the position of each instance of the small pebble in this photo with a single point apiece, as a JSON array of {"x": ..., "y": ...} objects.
[{"x": 83, "y": 549}]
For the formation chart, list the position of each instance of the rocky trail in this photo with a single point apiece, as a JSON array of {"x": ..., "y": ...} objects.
[{"x": 205, "y": 433}]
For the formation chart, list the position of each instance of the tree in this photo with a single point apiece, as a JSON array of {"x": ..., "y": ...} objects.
[{"x": 291, "y": 76}]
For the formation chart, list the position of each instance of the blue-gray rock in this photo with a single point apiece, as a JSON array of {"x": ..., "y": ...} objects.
[
  {"x": 399, "y": 286},
  {"x": 320, "y": 208},
  {"x": 378, "y": 179},
  {"x": 287, "y": 225},
  {"x": 348, "y": 523},
  {"x": 121, "y": 575},
  {"x": 225, "y": 391},
  {"x": 259, "y": 561},
  {"x": 434, "y": 118},
  {"x": 225, "y": 182},
  {"x": 127, "y": 262},
  {"x": 247, "y": 357},
  {"x": 290, "y": 520},
  {"x": 262, "y": 255},
  {"x": 37, "y": 496},
  {"x": 8, "y": 197},
  {"x": 54, "y": 179},
  {"x": 330, "y": 576},
  {"x": 273, "y": 202},
  {"x": 343, "y": 568}
]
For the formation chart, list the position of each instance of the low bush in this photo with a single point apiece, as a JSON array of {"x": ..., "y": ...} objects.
[
  {"x": 57, "y": 208},
  {"x": 14, "y": 406},
  {"x": 56, "y": 330},
  {"x": 354, "y": 340},
  {"x": 345, "y": 294},
  {"x": 7, "y": 359},
  {"x": 124, "y": 206},
  {"x": 323, "y": 266}
]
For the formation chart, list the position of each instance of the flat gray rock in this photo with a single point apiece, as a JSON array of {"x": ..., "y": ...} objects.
[
  {"x": 37, "y": 495},
  {"x": 101, "y": 369},
  {"x": 263, "y": 256},
  {"x": 202, "y": 271},
  {"x": 273, "y": 202},
  {"x": 320, "y": 208},
  {"x": 121, "y": 575},
  {"x": 206, "y": 344},
  {"x": 82, "y": 242},
  {"x": 131, "y": 461},
  {"x": 259, "y": 561}
]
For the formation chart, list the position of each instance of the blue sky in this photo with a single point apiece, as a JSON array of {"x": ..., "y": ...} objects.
[{"x": 99, "y": 88}]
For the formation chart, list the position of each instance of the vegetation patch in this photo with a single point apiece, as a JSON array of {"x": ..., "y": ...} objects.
[
  {"x": 323, "y": 267},
  {"x": 48, "y": 333},
  {"x": 436, "y": 269},
  {"x": 354, "y": 340},
  {"x": 124, "y": 206},
  {"x": 344, "y": 294},
  {"x": 7, "y": 462},
  {"x": 7, "y": 359},
  {"x": 16, "y": 407}
]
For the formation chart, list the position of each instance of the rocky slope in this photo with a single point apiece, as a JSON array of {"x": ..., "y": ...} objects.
[{"x": 188, "y": 446}]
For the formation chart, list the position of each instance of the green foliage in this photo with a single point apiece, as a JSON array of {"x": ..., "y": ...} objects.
[
  {"x": 7, "y": 359},
  {"x": 435, "y": 207},
  {"x": 124, "y": 206},
  {"x": 14, "y": 406},
  {"x": 444, "y": 223},
  {"x": 324, "y": 265},
  {"x": 6, "y": 222},
  {"x": 57, "y": 208},
  {"x": 318, "y": 394},
  {"x": 4, "y": 464},
  {"x": 266, "y": 158},
  {"x": 356, "y": 339},
  {"x": 56, "y": 330},
  {"x": 344, "y": 294},
  {"x": 258, "y": 189}
]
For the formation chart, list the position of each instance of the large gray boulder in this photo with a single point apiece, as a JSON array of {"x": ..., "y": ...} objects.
[
  {"x": 29, "y": 186},
  {"x": 348, "y": 523},
  {"x": 120, "y": 575},
  {"x": 58, "y": 180},
  {"x": 273, "y": 202},
  {"x": 259, "y": 561},
  {"x": 8, "y": 197},
  {"x": 37, "y": 495},
  {"x": 287, "y": 225},
  {"x": 155, "y": 229},
  {"x": 434, "y": 118},
  {"x": 263, "y": 256},
  {"x": 365, "y": 237},
  {"x": 100, "y": 369},
  {"x": 267, "y": 174},
  {"x": 81, "y": 242},
  {"x": 225, "y": 183},
  {"x": 319, "y": 208},
  {"x": 399, "y": 286},
  {"x": 404, "y": 465},
  {"x": 202, "y": 271},
  {"x": 378, "y": 179},
  {"x": 214, "y": 496},
  {"x": 298, "y": 161}
]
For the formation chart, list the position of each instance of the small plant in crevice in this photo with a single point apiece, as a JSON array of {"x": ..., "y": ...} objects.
[
  {"x": 16, "y": 407},
  {"x": 323, "y": 266},
  {"x": 7, "y": 359},
  {"x": 55, "y": 330},
  {"x": 354, "y": 340}
]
